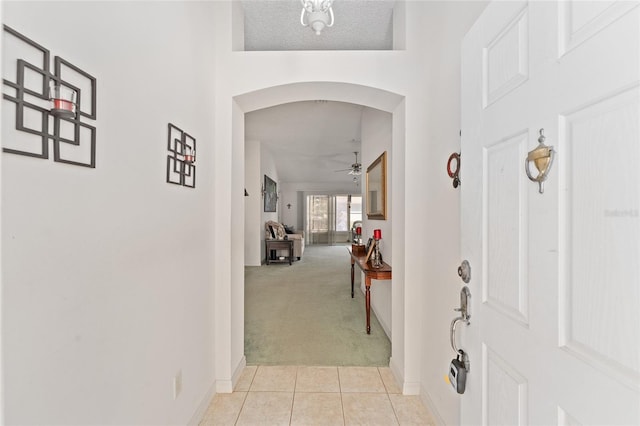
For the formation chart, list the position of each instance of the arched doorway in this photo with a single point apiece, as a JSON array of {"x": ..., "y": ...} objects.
[{"x": 232, "y": 301}]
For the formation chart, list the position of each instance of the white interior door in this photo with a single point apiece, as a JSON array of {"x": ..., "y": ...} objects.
[{"x": 555, "y": 280}]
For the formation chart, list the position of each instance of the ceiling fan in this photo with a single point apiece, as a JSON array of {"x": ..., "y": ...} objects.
[{"x": 356, "y": 168}]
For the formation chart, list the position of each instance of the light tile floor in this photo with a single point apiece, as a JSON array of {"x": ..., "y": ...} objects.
[{"x": 290, "y": 395}]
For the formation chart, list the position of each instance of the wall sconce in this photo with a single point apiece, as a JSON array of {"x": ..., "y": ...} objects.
[
  {"x": 55, "y": 103},
  {"x": 189, "y": 155},
  {"x": 63, "y": 101},
  {"x": 182, "y": 156},
  {"x": 246, "y": 194},
  {"x": 289, "y": 206}
]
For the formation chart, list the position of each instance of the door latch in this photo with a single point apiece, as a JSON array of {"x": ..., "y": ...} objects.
[
  {"x": 464, "y": 271},
  {"x": 465, "y": 316}
]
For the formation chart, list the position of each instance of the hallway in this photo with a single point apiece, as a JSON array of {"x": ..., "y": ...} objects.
[
  {"x": 303, "y": 314},
  {"x": 297, "y": 395}
]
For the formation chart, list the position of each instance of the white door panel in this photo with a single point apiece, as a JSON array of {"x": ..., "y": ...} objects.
[{"x": 555, "y": 332}]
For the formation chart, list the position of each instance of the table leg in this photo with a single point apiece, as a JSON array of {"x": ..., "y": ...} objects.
[
  {"x": 290, "y": 253},
  {"x": 368, "y": 303},
  {"x": 352, "y": 278}
]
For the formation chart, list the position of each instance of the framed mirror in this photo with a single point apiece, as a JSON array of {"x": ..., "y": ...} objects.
[{"x": 377, "y": 188}]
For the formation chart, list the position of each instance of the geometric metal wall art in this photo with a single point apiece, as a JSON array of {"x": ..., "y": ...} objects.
[
  {"x": 41, "y": 120},
  {"x": 181, "y": 169}
]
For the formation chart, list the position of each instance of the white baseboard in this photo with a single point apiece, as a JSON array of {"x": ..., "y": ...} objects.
[
  {"x": 218, "y": 386},
  {"x": 395, "y": 369},
  {"x": 408, "y": 388},
  {"x": 383, "y": 324},
  {"x": 238, "y": 371},
  {"x": 411, "y": 388},
  {"x": 428, "y": 402},
  {"x": 226, "y": 386},
  {"x": 202, "y": 407}
]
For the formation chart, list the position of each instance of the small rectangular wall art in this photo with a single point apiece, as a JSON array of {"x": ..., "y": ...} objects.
[{"x": 181, "y": 169}]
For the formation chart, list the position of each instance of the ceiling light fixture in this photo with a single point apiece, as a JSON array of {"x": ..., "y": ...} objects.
[
  {"x": 355, "y": 169},
  {"x": 318, "y": 13}
]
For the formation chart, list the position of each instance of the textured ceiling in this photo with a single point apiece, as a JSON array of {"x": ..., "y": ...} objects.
[{"x": 359, "y": 25}]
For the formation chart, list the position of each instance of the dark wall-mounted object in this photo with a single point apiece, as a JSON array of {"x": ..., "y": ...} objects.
[
  {"x": 270, "y": 194},
  {"x": 181, "y": 169},
  {"x": 37, "y": 113},
  {"x": 453, "y": 173}
]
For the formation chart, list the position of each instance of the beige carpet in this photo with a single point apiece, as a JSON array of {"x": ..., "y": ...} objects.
[{"x": 304, "y": 314}]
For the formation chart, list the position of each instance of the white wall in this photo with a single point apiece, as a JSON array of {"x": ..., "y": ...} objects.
[
  {"x": 258, "y": 161},
  {"x": 439, "y": 222},
  {"x": 267, "y": 167},
  {"x": 106, "y": 273},
  {"x": 289, "y": 216},
  {"x": 376, "y": 139},
  {"x": 253, "y": 232}
]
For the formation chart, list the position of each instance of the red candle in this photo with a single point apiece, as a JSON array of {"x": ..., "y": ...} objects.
[
  {"x": 377, "y": 234},
  {"x": 63, "y": 105},
  {"x": 190, "y": 155},
  {"x": 63, "y": 101},
  {"x": 358, "y": 230}
]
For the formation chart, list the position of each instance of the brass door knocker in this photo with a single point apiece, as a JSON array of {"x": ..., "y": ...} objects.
[{"x": 542, "y": 157}]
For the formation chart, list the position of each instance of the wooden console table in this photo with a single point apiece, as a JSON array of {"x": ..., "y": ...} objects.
[
  {"x": 279, "y": 245},
  {"x": 381, "y": 273}
]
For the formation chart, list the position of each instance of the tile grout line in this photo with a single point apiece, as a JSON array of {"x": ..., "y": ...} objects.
[
  {"x": 245, "y": 395},
  {"x": 395, "y": 414},
  {"x": 344, "y": 420},
  {"x": 383, "y": 382},
  {"x": 293, "y": 398},
  {"x": 241, "y": 407}
]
